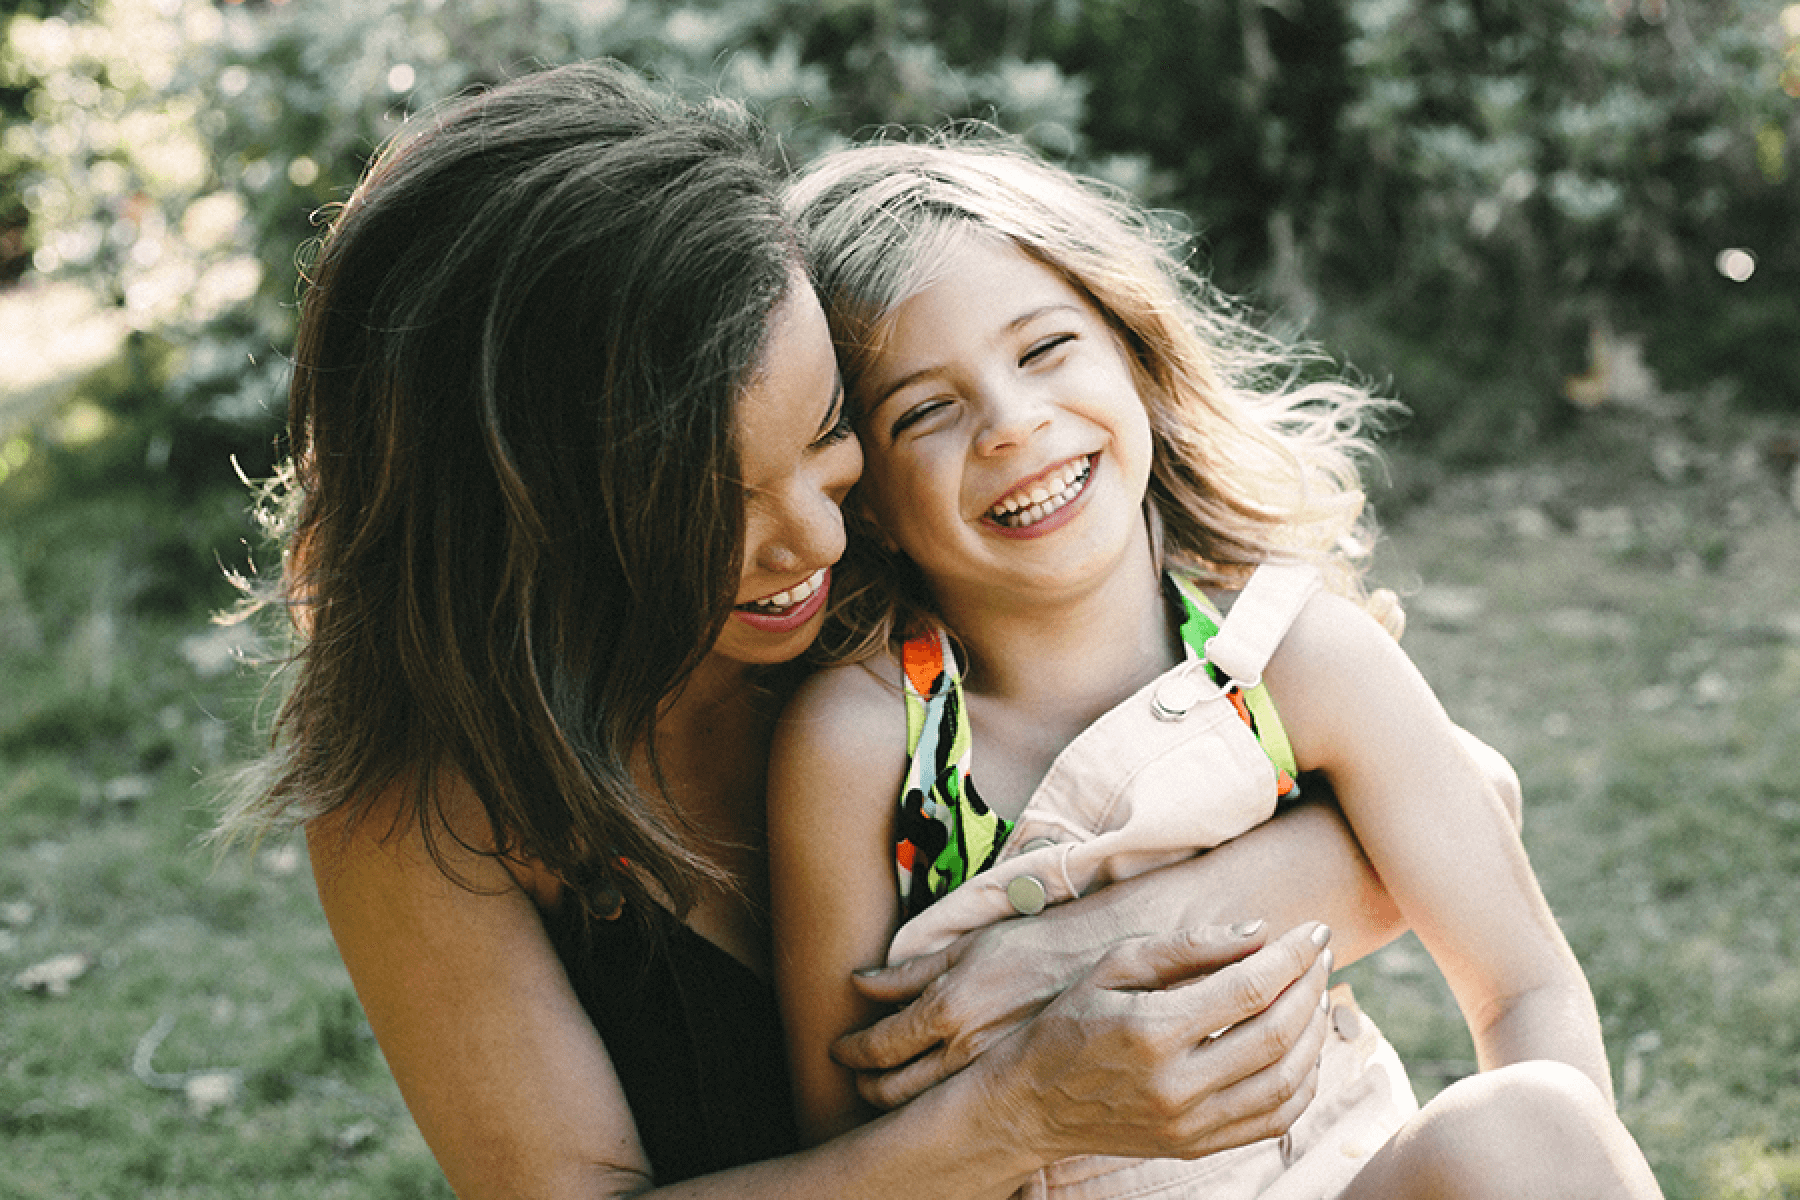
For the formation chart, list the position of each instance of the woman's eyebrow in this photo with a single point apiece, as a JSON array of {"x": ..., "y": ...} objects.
[{"x": 833, "y": 411}]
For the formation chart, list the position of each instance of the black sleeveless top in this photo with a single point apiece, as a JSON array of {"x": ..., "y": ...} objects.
[{"x": 694, "y": 1035}]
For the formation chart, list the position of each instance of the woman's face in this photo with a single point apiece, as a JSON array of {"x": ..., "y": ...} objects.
[{"x": 799, "y": 458}]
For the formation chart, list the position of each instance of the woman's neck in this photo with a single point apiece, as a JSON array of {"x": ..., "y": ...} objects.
[{"x": 712, "y": 753}]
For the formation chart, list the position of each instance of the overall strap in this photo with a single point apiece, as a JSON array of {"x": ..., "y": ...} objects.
[
  {"x": 1260, "y": 618},
  {"x": 1237, "y": 648}
]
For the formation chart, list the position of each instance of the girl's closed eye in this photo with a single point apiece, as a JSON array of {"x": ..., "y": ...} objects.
[
  {"x": 1044, "y": 349},
  {"x": 918, "y": 413}
]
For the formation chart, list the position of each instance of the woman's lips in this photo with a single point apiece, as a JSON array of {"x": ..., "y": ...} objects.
[{"x": 787, "y": 610}]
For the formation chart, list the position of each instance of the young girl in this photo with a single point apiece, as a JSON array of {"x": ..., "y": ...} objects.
[{"x": 1097, "y": 514}]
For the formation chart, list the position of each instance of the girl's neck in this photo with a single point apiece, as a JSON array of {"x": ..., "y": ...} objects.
[{"x": 1075, "y": 655}]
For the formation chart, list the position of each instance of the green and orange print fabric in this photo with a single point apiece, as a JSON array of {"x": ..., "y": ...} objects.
[{"x": 946, "y": 833}]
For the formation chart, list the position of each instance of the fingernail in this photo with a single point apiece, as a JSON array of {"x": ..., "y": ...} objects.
[
  {"x": 1321, "y": 935},
  {"x": 1324, "y": 1001},
  {"x": 1327, "y": 960},
  {"x": 1246, "y": 929},
  {"x": 866, "y": 972}
]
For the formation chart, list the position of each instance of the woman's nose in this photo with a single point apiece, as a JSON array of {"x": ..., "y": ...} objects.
[
  {"x": 811, "y": 536},
  {"x": 812, "y": 527},
  {"x": 1010, "y": 415}
]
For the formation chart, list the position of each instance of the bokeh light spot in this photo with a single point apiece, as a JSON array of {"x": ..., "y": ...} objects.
[
  {"x": 303, "y": 172},
  {"x": 1736, "y": 264},
  {"x": 400, "y": 77}
]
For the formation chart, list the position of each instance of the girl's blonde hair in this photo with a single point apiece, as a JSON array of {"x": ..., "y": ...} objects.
[{"x": 1255, "y": 457}]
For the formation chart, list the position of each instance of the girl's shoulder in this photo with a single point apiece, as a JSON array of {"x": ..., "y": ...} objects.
[{"x": 845, "y": 718}]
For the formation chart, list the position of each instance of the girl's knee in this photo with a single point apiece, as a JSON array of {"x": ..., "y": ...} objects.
[{"x": 1537, "y": 1129}]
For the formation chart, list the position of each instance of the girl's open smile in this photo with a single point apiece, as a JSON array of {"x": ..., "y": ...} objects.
[{"x": 1045, "y": 496}]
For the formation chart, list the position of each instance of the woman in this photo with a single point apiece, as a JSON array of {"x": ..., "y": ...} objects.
[{"x": 568, "y": 449}]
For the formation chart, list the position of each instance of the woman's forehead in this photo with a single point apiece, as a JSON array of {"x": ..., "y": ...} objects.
[{"x": 792, "y": 397}]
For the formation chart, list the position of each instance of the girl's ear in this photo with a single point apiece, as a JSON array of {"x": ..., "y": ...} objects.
[{"x": 1153, "y": 519}]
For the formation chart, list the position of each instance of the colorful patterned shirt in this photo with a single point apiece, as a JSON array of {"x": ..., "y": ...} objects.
[{"x": 946, "y": 832}]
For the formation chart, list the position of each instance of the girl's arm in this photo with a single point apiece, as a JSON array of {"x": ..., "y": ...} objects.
[
  {"x": 834, "y": 776},
  {"x": 835, "y": 770},
  {"x": 1449, "y": 854}
]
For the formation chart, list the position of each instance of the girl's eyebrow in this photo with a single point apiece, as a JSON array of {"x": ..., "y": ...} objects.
[{"x": 912, "y": 377}]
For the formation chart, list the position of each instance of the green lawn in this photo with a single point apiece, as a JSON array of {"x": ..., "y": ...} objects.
[{"x": 1622, "y": 618}]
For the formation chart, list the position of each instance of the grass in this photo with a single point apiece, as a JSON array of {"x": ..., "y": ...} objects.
[
  {"x": 1629, "y": 635},
  {"x": 1621, "y": 616}
]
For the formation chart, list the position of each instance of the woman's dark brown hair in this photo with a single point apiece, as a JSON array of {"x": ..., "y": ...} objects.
[{"x": 517, "y": 527}]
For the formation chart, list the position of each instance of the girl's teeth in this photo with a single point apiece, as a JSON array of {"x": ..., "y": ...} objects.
[{"x": 1043, "y": 498}]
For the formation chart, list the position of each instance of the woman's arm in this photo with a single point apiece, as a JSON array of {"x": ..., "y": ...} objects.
[
  {"x": 1422, "y": 808},
  {"x": 516, "y": 1096},
  {"x": 1303, "y": 865},
  {"x": 494, "y": 1055}
]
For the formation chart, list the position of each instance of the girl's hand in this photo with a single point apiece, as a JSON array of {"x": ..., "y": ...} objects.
[{"x": 1174, "y": 1046}]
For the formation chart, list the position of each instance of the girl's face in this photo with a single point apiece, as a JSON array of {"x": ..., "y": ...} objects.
[
  {"x": 799, "y": 458},
  {"x": 1008, "y": 448}
]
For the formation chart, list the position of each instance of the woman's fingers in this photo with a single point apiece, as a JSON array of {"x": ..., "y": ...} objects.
[
  {"x": 1161, "y": 963},
  {"x": 890, "y": 1089},
  {"x": 1207, "y": 1010},
  {"x": 896, "y": 1040},
  {"x": 1219, "y": 1059},
  {"x": 1246, "y": 987},
  {"x": 901, "y": 982}
]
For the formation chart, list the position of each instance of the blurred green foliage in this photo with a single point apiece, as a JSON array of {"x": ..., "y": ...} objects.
[{"x": 1455, "y": 193}]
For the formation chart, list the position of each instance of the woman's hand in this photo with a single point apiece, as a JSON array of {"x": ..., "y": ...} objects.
[
  {"x": 1303, "y": 865},
  {"x": 1173, "y": 1046},
  {"x": 956, "y": 1002}
]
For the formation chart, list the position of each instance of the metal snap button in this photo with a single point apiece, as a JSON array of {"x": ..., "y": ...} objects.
[
  {"x": 1346, "y": 1021},
  {"x": 1175, "y": 696},
  {"x": 1036, "y": 843},
  {"x": 1027, "y": 895}
]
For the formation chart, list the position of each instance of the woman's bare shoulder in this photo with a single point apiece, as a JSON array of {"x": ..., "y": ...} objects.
[{"x": 450, "y": 835}]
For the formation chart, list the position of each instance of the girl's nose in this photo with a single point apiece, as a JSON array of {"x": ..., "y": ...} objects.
[{"x": 1010, "y": 416}]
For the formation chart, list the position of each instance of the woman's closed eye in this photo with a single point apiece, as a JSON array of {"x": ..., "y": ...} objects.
[{"x": 840, "y": 429}]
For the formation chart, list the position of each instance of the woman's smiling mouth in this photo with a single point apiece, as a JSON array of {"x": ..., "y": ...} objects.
[
  {"x": 780, "y": 602},
  {"x": 1034, "y": 502},
  {"x": 790, "y": 609}
]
